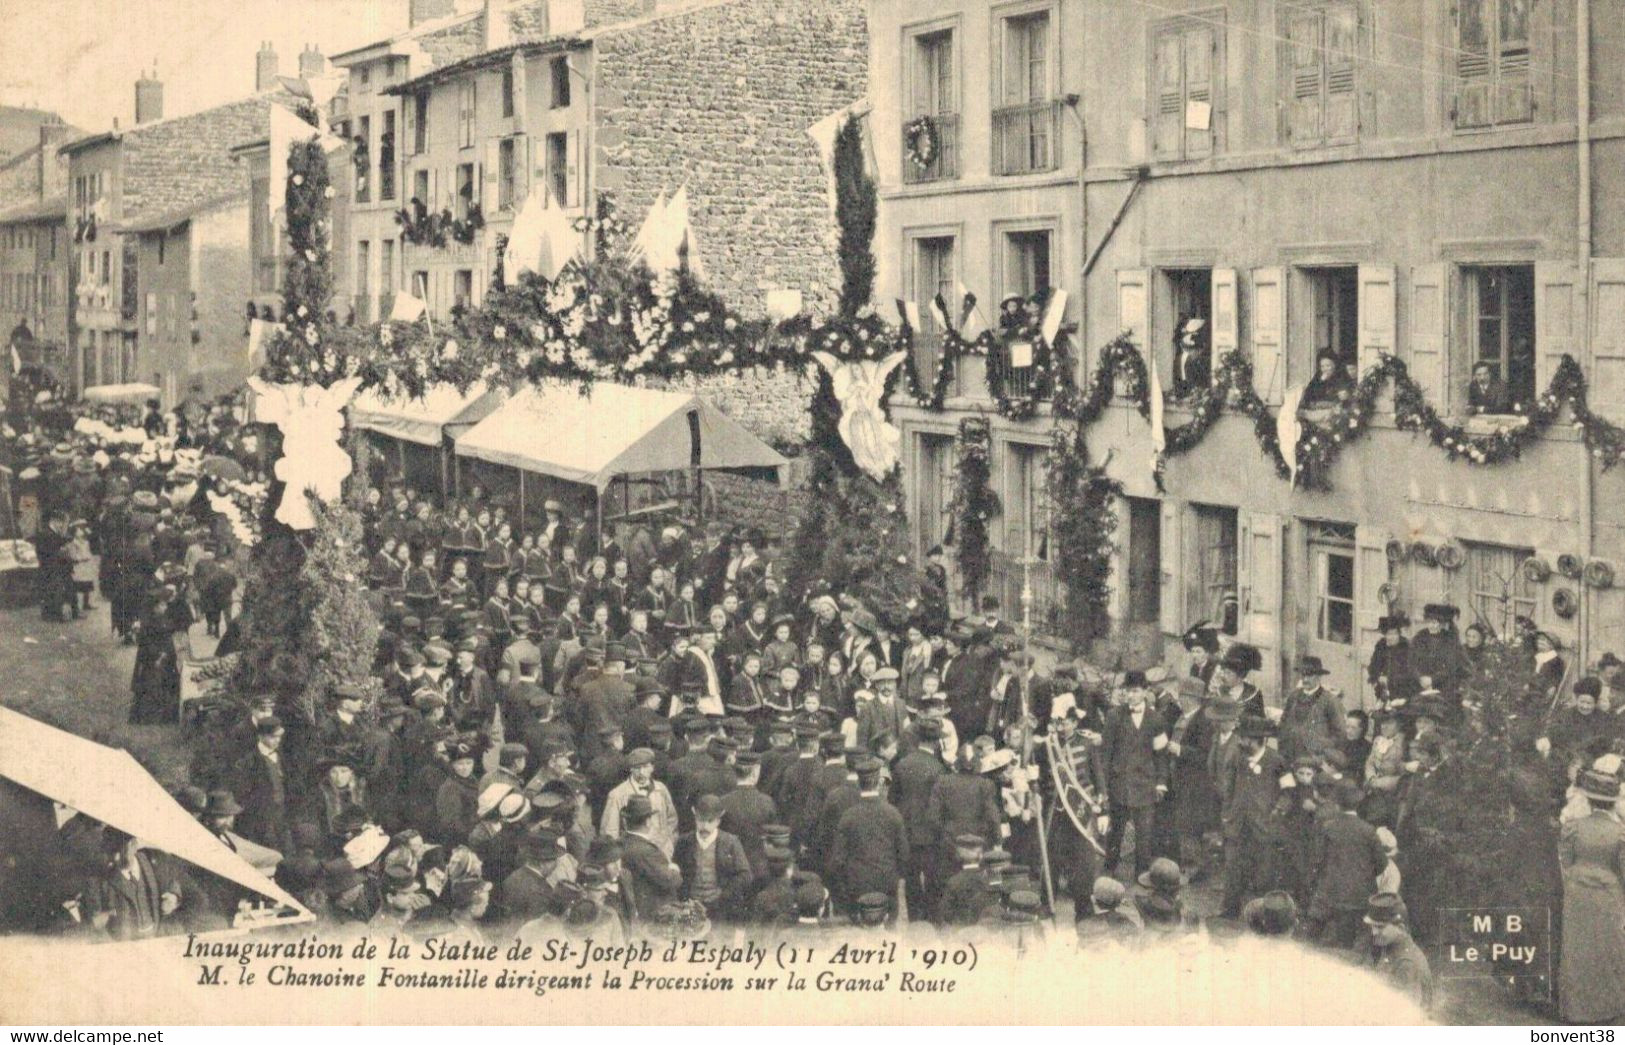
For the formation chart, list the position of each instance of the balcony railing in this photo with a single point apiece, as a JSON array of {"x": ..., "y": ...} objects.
[
  {"x": 945, "y": 164},
  {"x": 1027, "y": 138}
]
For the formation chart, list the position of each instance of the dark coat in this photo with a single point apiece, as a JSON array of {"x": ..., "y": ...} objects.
[
  {"x": 962, "y": 803},
  {"x": 745, "y": 810},
  {"x": 1134, "y": 767},
  {"x": 733, "y": 870},
  {"x": 965, "y": 898},
  {"x": 912, "y": 779},
  {"x": 1250, "y": 796},
  {"x": 259, "y": 787},
  {"x": 870, "y": 849},
  {"x": 525, "y": 894},
  {"x": 1347, "y": 859},
  {"x": 655, "y": 881}
]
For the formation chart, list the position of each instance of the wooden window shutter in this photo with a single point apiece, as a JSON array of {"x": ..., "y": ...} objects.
[
  {"x": 1117, "y": 592},
  {"x": 1169, "y": 118},
  {"x": 1133, "y": 304},
  {"x": 1258, "y": 574},
  {"x": 572, "y": 178},
  {"x": 1430, "y": 331},
  {"x": 1199, "y": 93},
  {"x": 1514, "y": 97},
  {"x": 1306, "y": 69},
  {"x": 1173, "y": 569},
  {"x": 490, "y": 175},
  {"x": 1341, "y": 38},
  {"x": 1378, "y": 315},
  {"x": 521, "y": 169},
  {"x": 1370, "y": 574},
  {"x": 1268, "y": 328},
  {"x": 1606, "y": 375},
  {"x": 1558, "y": 321},
  {"x": 1474, "y": 62}
]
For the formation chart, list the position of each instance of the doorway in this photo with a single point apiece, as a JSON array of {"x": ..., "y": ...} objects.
[
  {"x": 1144, "y": 595},
  {"x": 1331, "y": 632}
]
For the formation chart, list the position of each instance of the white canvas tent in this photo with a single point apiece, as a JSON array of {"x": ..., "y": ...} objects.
[
  {"x": 613, "y": 432},
  {"x": 109, "y": 785},
  {"x": 424, "y": 424},
  {"x": 442, "y": 411}
]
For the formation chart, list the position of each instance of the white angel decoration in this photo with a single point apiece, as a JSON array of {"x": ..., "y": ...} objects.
[
  {"x": 311, "y": 418},
  {"x": 859, "y": 385}
]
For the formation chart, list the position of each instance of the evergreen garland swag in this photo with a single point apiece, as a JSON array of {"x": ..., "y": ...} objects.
[
  {"x": 1083, "y": 525},
  {"x": 974, "y": 504}
]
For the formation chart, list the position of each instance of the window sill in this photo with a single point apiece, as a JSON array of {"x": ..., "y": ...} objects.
[{"x": 1490, "y": 424}]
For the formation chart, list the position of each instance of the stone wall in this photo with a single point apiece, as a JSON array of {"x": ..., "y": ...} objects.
[{"x": 719, "y": 98}]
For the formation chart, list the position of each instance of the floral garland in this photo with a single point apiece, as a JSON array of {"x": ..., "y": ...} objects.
[
  {"x": 974, "y": 503},
  {"x": 1020, "y": 321},
  {"x": 922, "y": 141}
]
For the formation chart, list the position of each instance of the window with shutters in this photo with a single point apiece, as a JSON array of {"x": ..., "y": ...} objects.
[
  {"x": 462, "y": 291},
  {"x": 1186, "y": 93},
  {"x": 558, "y": 167},
  {"x": 1027, "y": 258},
  {"x": 1325, "y": 325},
  {"x": 465, "y": 189},
  {"x": 1492, "y": 64},
  {"x": 935, "y": 93},
  {"x": 467, "y": 94},
  {"x": 1321, "y": 48},
  {"x": 507, "y": 90},
  {"x": 386, "y": 266},
  {"x": 1211, "y": 593},
  {"x": 559, "y": 75},
  {"x": 506, "y": 166},
  {"x": 1499, "y": 306},
  {"x": 1187, "y": 295},
  {"x": 933, "y": 260},
  {"x": 420, "y": 123},
  {"x": 363, "y": 162},
  {"x": 420, "y": 188},
  {"x": 935, "y": 489},
  {"x": 1026, "y": 121},
  {"x": 386, "y": 157}
]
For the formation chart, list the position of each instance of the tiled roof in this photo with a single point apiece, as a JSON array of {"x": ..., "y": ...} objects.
[
  {"x": 36, "y": 210},
  {"x": 172, "y": 164},
  {"x": 158, "y": 222}
]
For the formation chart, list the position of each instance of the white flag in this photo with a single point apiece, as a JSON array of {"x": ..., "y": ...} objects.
[
  {"x": 647, "y": 243},
  {"x": 1159, "y": 433},
  {"x": 972, "y": 325},
  {"x": 543, "y": 239},
  {"x": 1287, "y": 430},
  {"x": 1054, "y": 314},
  {"x": 16, "y": 362},
  {"x": 406, "y": 309},
  {"x": 677, "y": 240}
]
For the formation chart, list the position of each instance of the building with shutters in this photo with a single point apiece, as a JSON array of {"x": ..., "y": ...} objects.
[{"x": 1440, "y": 180}]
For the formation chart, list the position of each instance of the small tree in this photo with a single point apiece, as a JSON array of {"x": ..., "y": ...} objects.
[{"x": 855, "y": 203}]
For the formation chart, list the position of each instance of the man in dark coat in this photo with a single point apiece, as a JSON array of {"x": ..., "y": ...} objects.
[
  {"x": 134, "y": 894},
  {"x": 1390, "y": 672},
  {"x": 1134, "y": 749},
  {"x": 654, "y": 880},
  {"x": 962, "y": 803},
  {"x": 1250, "y": 794},
  {"x": 870, "y": 849},
  {"x": 1436, "y": 654},
  {"x": 527, "y": 892},
  {"x": 746, "y": 810},
  {"x": 713, "y": 863},
  {"x": 258, "y": 781},
  {"x": 967, "y": 894},
  {"x": 912, "y": 779},
  {"x": 1347, "y": 857},
  {"x": 1312, "y": 716},
  {"x": 828, "y": 776},
  {"x": 605, "y": 701}
]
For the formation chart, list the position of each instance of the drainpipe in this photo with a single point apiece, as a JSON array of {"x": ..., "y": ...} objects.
[
  {"x": 1072, "y": 101},
  {"x": 1582, "y": 107}
]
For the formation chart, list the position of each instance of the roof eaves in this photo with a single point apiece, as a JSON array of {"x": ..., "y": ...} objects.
[{"x": 486, "y": 60}]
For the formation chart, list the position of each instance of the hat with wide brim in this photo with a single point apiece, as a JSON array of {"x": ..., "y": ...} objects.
[{"x": 1603, "y": 787}]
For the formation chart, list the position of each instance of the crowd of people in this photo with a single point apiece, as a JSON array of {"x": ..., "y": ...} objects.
[{"x": 643, "y": 735}]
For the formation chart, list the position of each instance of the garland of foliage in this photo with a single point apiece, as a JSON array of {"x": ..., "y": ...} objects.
[
  {"x": 1020, "y": 321},
  {"x": 974, "y": 503},
  {"x": 1083, "y": 524},
  {"x": 855, "y": 208},
  {"x": 922, "y": 141}
]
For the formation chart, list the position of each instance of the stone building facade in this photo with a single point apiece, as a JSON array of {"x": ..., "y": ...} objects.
[{"x": 1440, "y": 181}]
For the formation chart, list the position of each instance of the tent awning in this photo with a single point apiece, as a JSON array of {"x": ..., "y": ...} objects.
[
  {"x": 108, "y": 785},
  {"x": 425, "y": 420},
  {"x": 614, "y": 430}
]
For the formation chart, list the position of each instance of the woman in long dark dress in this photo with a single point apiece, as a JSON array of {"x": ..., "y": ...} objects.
[
  {"x": 1591, "y": 973},
  {"x": 156, "y": 683}
]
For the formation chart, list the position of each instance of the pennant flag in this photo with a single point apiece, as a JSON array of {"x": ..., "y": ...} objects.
[
  {"x": 646, "y": 243},
  {"x": 910, "y": 314},
  {"x": 685, "y": 243},
  {"x": 1287, "y": 430},
  {"x": 939, "y": 309},
  {"x": 1159, "y": 433},
  {"x": 1054, "y": 314},
  {"x": 406, "y": 309},
  {"x": 1043, "y": 547},
  {"x": 16, "y": 362},
  {"x": 783, "y": 304},
  {"x": 543, "y": 239},
  {"x": 971, "y": 323},
  {"x": 948, "y": 538}
]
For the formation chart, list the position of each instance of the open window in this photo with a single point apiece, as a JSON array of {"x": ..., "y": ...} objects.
[
  {"x": 465, "y": 189},
  {"x": 1329, "y": 328},
  {"x": 1211, "y": 592},
  {"x": 1498, "y": 321},
  {"x": 1188, "y": 323},
  {"x": 931, "y": 258},
  {"x": 933, "y": 82}
]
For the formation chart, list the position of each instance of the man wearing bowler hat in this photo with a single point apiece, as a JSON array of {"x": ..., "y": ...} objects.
[
  {"x": 715, "y": 869},
  {"x": 653, "y": 878},
  {"x": 1250, "y": 793},
  {"x": 1312, "y": 716},
  {"x": 1394, "y": 955},
  {"x": 1134, "y": 753}
]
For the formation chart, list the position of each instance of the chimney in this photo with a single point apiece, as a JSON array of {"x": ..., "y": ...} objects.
[
  {"x": 149, "y": 97},
  {"x": 497, "y": 32},
  {"x": 424, "y": 10},
  {"x": 311, "y": 63},
  {"x": 265, "y": 67}
]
